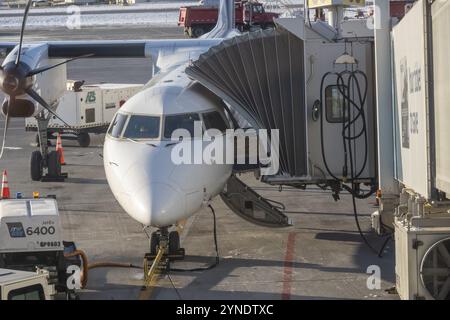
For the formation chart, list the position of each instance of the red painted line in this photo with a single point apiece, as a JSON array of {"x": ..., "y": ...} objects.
[{"x": 288, "y": 263}]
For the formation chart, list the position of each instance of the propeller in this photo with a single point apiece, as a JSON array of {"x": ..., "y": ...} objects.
[{"x": 17, "y": 78}]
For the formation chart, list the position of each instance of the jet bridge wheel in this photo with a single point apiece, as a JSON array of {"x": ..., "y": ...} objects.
[{"x": 36, "y": 166}]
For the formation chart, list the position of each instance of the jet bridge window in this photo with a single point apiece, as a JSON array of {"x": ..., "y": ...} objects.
[
  {"x": 142, "y": 127},
  {"x": 334, "y": 104},
  {"x": 115, "y": 130},
  {"x": 214, "y": 120},
  {"x": 180, "y": 121}
]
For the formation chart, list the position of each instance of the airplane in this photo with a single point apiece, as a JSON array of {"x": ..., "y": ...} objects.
[
  {"x": 139, "y": 144},
  {"x": 137, "y": 148}
]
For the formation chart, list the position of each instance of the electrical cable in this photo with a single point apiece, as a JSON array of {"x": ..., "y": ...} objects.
[
  {"x": 380, "y": 253},
  {"x": 349, "y": 121},
  {"x": 216, "y": 263},
  {"x": 173, "y": 286}
]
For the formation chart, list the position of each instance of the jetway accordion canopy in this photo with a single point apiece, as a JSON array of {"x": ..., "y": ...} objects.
[{"x": 261, "y": 75}]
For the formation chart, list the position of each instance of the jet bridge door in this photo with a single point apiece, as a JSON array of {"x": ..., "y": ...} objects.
[{"x": 320, "y": 59}]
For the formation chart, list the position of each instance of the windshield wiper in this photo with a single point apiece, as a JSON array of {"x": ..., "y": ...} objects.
[{"x": 146, "y": 143}]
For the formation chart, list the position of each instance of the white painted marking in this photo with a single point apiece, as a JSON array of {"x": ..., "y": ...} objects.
[{"x": 13, "y": 148}]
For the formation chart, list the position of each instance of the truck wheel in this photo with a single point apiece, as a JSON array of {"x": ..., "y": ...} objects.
[
  {"x": 268, "y": 26},
  {"x": 84, "y": 140},
  {"x": 54, "y": 165},
  {"x": 198, "y": 32},
  {"x": 36, "y": 166}
]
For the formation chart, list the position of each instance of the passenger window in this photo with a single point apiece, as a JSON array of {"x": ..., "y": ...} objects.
[
  {"x": 142, "y": 127},
  {"x": 180, "y": 121},
  {"x": 34, "y": 292},
  {"x": 214, "y": 120},
  {"x": 334, "y": 104},
  {"x": 116, "y": 127}
]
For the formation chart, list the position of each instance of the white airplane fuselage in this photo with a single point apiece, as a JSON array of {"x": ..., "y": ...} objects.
[{"x": 141, "y": 173}]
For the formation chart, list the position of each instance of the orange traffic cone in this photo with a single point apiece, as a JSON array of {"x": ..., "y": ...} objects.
[
  {"x": 6, "y": 194},
  {"x": 60, "y": 149}
]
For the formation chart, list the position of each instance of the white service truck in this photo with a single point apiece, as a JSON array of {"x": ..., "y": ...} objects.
[
  {"x": 86, "y": 109},
  {"x": 31, "y": 239},
  {"x": 24, "y": 285}
]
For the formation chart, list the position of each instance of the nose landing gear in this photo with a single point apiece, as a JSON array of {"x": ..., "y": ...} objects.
[
  {"x": 169, "y": 241},
  {"x": 164, "y": 248}
]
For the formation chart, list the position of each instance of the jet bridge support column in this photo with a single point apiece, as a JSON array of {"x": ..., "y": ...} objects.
[{"x": 385, "y": 130}]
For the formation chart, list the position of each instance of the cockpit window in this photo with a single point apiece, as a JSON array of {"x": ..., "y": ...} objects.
[
  {"x": 213, "y": 120},
  {"x": 142, "y": 127},
  {"x": 116, "y": 127},
  {"x": 180, "y": 121}
]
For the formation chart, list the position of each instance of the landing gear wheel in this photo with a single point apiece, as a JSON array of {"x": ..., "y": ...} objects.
[
  {"x": 154, "y": 242},
  {"x": 174, "y": 242},
  {"x": 54, "y": 164},
  {"x": 84, "y": 140},
  {"x": 36, "y": 166}
]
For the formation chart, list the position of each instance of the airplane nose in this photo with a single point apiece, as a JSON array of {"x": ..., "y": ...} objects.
[
  {"x": 141, "y": 182},
  {"x": 157, "y": 204}
]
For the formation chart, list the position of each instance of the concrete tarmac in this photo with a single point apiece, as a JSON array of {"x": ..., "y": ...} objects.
[{"x": 321, "y": 257}]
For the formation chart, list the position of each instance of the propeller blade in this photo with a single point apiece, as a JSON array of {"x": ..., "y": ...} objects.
[
  {"x": 46, "y": 68},
  {"x": 22, "y": 31},
  {"x": 11, "y": 101},
  {"x": 44, "y": 104}
]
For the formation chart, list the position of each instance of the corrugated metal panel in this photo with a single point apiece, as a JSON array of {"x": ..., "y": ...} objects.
[
  {"x": 261, "y": 74},
  {"x": 441, "y": 50},
  {"x": 413, "y": 162}
]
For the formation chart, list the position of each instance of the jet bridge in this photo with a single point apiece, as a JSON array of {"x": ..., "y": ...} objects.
[
  {"x": 261, "y": 76},
  {"x": 277, "y": 79}
]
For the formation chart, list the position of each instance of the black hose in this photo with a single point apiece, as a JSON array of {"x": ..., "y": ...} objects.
[
  {"x": 216, "y": 263},
  {"x": 348, "y": 122},
  {"x": 322, "y": 113}
]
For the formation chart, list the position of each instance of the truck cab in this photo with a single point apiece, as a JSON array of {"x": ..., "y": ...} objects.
[
  {"x": 197, "y": 20},
  {"x": 23, "y": 285},
  {"x": 255, "y": 14}
]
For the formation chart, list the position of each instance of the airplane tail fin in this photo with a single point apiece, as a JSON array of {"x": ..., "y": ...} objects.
[{"x": 226, "y": 22}]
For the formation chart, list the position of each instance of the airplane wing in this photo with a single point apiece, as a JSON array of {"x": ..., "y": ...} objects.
[{"x": 113, "y": 48}]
